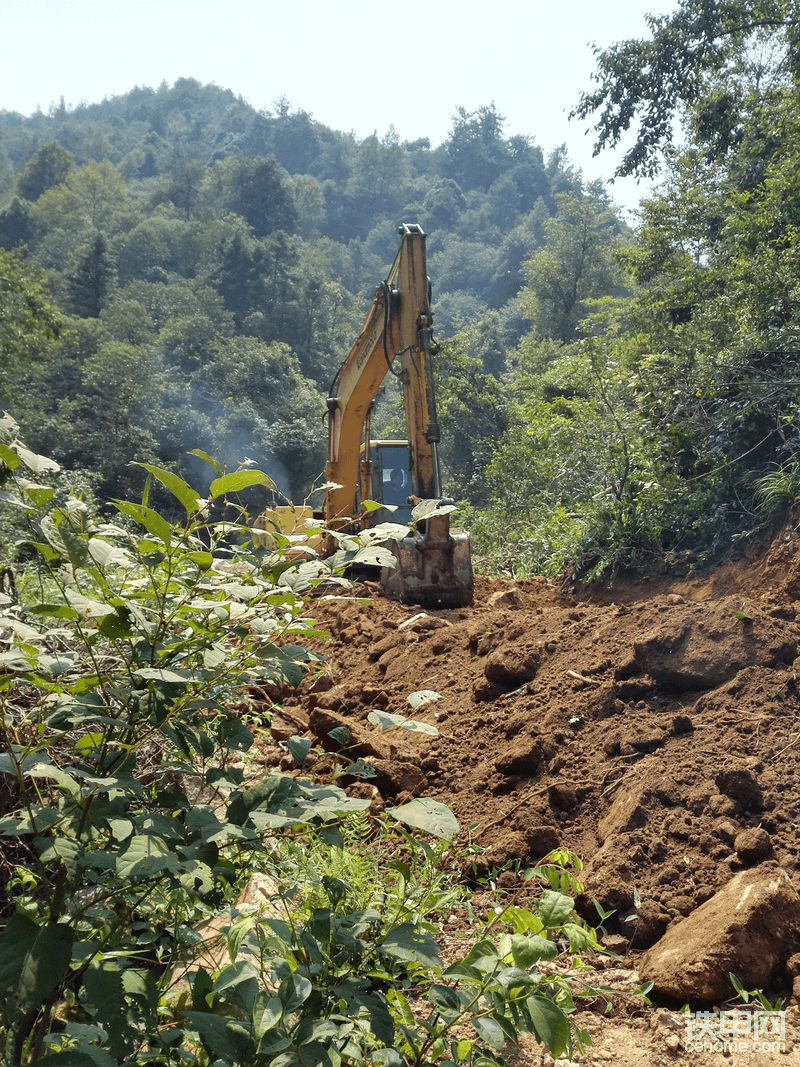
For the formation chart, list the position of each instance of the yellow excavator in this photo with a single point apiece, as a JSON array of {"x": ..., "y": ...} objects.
[{"x": 434, "y": 565}]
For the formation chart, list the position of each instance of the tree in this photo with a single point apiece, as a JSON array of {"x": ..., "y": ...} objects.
[
  {"x": 29, "y": 324},
  {"x": 699, "y": 45},
  {"x": 476, "y": 152},
  {"x": 184, "y": 186},
  {"x": 48, "y": 166},
  {"x": 380, "y": 167},
  {"x": 576, "y": 265},
  {"x": 472, "y": 409},
  {"x": 92, "y": 198},
  {"x": 15, "y": 224},
  {"x": 295, "y": 140},
  {"x": 239, "y": 277},
  {"x": 90, "y": 282},
  {"x": 255, "y": 189}
]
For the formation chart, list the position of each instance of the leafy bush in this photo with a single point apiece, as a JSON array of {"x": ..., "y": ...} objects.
[{"x": 129, "y": 815}]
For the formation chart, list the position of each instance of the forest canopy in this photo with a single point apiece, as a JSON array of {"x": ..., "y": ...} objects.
[{"x": 185, "y": 272}]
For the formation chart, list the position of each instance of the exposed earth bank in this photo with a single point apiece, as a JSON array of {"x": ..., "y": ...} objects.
[{"x": 652, "y": 728}]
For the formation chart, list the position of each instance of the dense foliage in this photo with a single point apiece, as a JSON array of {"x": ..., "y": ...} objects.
[
  {"x": 606, "y": 395},
  {"x": 131, "y": 815},
  {"x": 212, "y": 265}
]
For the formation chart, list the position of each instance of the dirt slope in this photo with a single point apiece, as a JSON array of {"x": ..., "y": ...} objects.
[{"x": 652, "y": 728}]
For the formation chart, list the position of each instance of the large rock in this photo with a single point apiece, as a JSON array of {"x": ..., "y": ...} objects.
[
  {"x": 701, "y": 646},
  {"x": 747, "y": 928}
]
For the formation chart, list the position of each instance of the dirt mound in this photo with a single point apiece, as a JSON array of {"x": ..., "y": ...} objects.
[{"x": 652, "y": 728}]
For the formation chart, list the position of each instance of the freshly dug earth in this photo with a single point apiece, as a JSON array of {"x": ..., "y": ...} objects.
[{"x": 652, "y": 728}]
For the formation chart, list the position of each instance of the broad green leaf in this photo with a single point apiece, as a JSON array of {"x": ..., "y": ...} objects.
[
  {"x": 488, "y": 1030},
  {"x": 387, "y": 1057},
  {"x": 550, "y": 1023},
  {"x": 214, "y": 657},
  {"x": 45, "y": 965},
  {"x": 444, "y": 997},
  {"x": 202, "y": 560},
  {"x": 580, "y": 939},
  {"x": 53, "y": 849},
  {"x": 299, "y": 748},
  {"x": 205, "y": 456},
  {"x": 408, "y": 942},
  {"x": 360, "y": 769},
  {"x": 238, "y": 974},
  {"x": 9, "y": 457},
  {"x": 554, "y": 908},
  {"x": 57, "y": 663},
  {"x": 234, "y": 483},
  {"x": 35, "y": 463},
  {"x": 177, "y": 486},
  {"x": 117, "y": 625},
  {"x": 266, "y": 1013},
  {"x": 39, "y": 494},
  {"x": 54, "y": 611},
  {"x": 103, "y": 995},
  {"x": 107, "y": 555},
  {"x": 229, "y": 1041},
  {"x": 161, "y": 674},
  {"x": 373, "y": 505},
  {"x": 420, "y": 727},
  {"x": 65, "y": 780},
  {"x": 385, "y": 720},
  {"x": 86, "y": 606},
  {"x": 16, "y": 940},
  {"x": 151, "y": 520},
  {"x": 428, "y": 815},
  {"x": 527, "y": 951},
  {"x": 144, "y": 857},
  {"x": 375, "y": 556},
  {"x": 294, "y": 991}
]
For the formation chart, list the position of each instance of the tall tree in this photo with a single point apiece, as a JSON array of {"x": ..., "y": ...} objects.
[
  {"x": 90, "y": 282},
  {"x": 239, "y": 277},
  {"x": 257, "y": 190},
  {"x": 476, "y": 152},
  {"x": 15, "y": 224},
  {"x": 48, "y": 166},
  {"x": 576, "y": 265}
]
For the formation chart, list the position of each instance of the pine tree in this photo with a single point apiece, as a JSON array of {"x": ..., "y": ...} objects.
[{"x": 89, "y": 284}]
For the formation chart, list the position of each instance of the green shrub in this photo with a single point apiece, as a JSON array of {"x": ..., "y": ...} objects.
[{"x": 128, "y": 815}]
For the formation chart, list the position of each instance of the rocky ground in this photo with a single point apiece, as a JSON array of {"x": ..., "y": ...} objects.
[{"x": 651, "y": 728}]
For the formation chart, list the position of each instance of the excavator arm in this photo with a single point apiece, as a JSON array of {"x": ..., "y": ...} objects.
[
  {"x": 434, "y": 565},
  {"x": 398, "y": 324}
]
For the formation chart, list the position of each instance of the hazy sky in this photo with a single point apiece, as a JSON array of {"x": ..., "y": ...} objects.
[{"x": 354, "y": 65}]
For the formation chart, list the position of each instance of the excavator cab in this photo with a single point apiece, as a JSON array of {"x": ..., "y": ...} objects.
[{"x": 388, "y": 481}]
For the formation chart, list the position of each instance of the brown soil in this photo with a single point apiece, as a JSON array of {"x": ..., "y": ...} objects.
[{"x": 650, "y": 728}]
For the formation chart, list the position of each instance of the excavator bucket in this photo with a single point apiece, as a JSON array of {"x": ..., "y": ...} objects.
[{"x": 434, "y": 563}]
